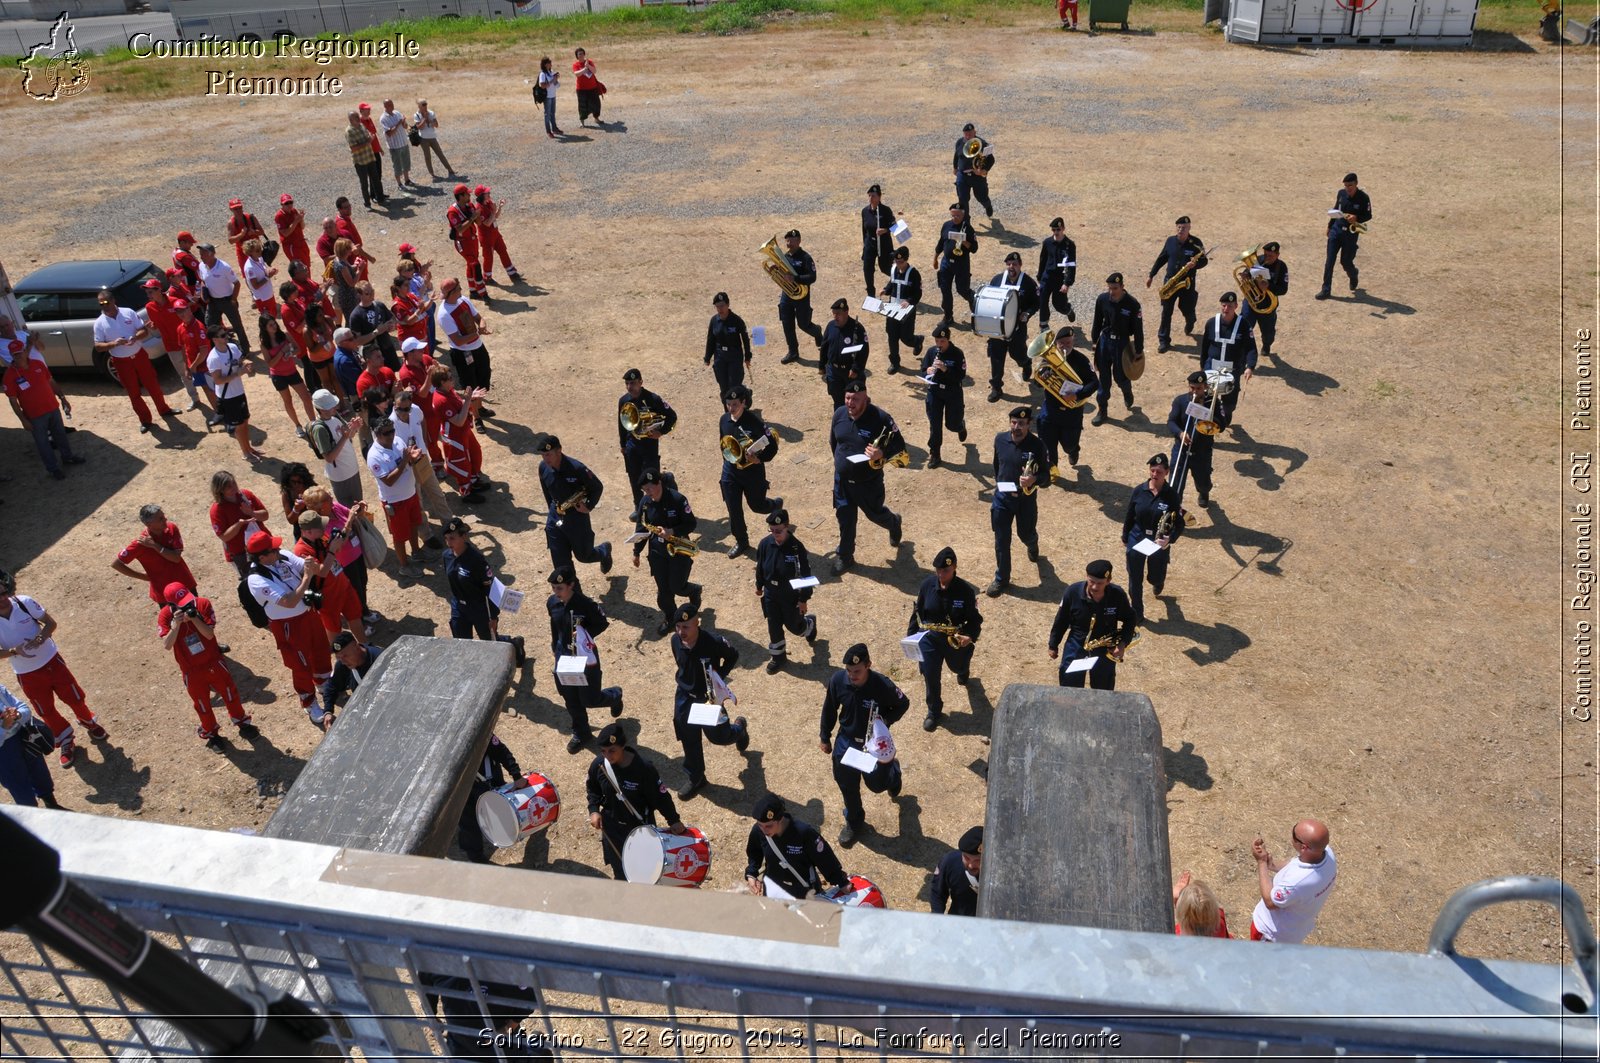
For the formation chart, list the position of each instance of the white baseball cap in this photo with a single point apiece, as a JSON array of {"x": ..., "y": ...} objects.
[{"x": 325, "y": 400}]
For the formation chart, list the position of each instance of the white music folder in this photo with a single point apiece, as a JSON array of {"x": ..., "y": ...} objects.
[
  {"x": 859, "y": 759},
  {"x": 900, "y": 231},
  {"x": 1147, "y": 547},
  {"x": 873, "y": 305}
]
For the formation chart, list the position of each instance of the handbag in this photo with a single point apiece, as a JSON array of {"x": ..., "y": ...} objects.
[
  {"x": 601, "y": 86},
  {"x": 373, "y": 546},
  {"x": 37, "y": 737},
  {"x": 879, "y": 743},
  {"x": 416, "y": 138},
  {"x": 269, "y": 251}
]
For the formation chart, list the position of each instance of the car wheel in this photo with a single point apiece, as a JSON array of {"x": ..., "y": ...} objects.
[
  {"x": 108, "y": 367},
  {"x": 250, "y": 38}
]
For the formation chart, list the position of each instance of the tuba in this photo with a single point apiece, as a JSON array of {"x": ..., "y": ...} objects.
[
  {"x": 1051, "y": 371},
  {"x": 899, "y": 461},
  {"x": 1253, "y": 284},
  {"x": 639, "y": 423},
  {"x": 777, "y": 266},
  {"x": 736, "y": 449},
  {"x": 974, "y": 151},
  {"x": 1182, "y": 280}
]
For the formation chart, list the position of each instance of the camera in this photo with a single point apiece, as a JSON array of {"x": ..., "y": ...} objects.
[
  {"x": 190, "y": 610},
  {"x": 313, "y": 599}
]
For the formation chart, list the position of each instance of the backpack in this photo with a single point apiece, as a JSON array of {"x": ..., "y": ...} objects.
[
  {"x": 252, "y": 608},
  {"x": 320, "y": 438},
  {"x": 539, "y": 94}
]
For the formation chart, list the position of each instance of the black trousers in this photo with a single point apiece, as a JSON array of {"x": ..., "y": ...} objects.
[
  {"x": 671, "y": 574},
  {"x": 1051, "y": 297},
  {"x": 947, "y": 409},
  {"x": 1108, "y": 367},
  {"x": 693, "y": 739},
  {"x": 879, "y": 779},
  {"x": 902, "y": 331},
  {"x": 969, "y": 186},
  {"x": 1140, "y": 568},
  {"x": 637, "y": 456},
  {"x": 783, "y": 614},
  {"x": 1016, "y": 348},
  {"x": 744, "y": 488},
  {"x": 571, "y": 539},
  {"x": 729, "y": 373},
  {"x": 1026, "y": 516},
  {"x": 614, "y": 834},
  {"x": 1103, "y": 676},
  {"x": 849, "y": 499},
  {"x": 1266, "y": 326},
  {"x": 1342, "y": 246},
  {"x": 1185, "y": 301},
  {"x": 878, "y": 255},
  {"x": 217, "y": 309},
  {"x": 371, "y": 177},
  {"x": 959, "y": 278},
  {"x": 579, "y": 700},
  {"x": 468, "y": 834},
  {"x": 472, "y": 367},
  {"x": 588, "y": 104},
  {"x": 1059, "y": 427},
  {"x": 1196, "y": 464},
  {"x": 937, "y": 655},
  {"x": 797, "y": 314}
]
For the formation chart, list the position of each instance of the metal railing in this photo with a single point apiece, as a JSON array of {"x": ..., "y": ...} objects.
[{"x": 618, "y": 969}]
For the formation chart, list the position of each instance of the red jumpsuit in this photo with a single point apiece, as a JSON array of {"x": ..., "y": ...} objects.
[
  {"x": 463, "y": 458},
  {"x": 204, "y": 671},
  {"x": 493, "y": 242},
  {"x": 292, "y": 243},
  {"x": 463, "y": 223}
]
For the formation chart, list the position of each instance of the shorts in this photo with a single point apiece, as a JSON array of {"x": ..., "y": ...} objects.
[
  {"x": 266, "y": 307},
  {"x": 285, "y": 381},
  {"x": 404, "y": 517},
  {"x": 1256, "y": 935},
  {"x": 235, "y": 411},
  {"x": 200, "y": 378}
]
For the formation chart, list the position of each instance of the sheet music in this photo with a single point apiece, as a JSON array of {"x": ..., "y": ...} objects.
[
  {"x": 1147, "y": 547},
  {"x": 506, "y": 598},
  {"x": 859, "y": 759},
  {"x": 854, "y": 348},
  {"x": 911, "y": 646},
  {"x": 804, "y": 581},
  {"x": 1082, "y": 664},
  {"x": 569, "y": 671},
  {"x": 873, "y": 305},
  {"x": 1199, "y": 411},
  {"x": 703, "y": 715}
]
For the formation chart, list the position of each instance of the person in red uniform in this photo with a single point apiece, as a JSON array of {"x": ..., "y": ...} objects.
[
  {"x": 159, "y": 552},
  {"x": 37, "y": 401},
  {"x": 183, "y": 258},
  {"x": 291, "y": 222},
  {"x": 279, "y": 582},
  {"x": 378, "y": 150},
  {"x": 340, "y": 606},
  {"x": 375, "y": 374},
  {"x": 26, "y": 628},
  {"x": 242, "y": 228},
  {"x": 159, "y": 310},
  {"x": 463, "y": 458},
  {"x": 187, "y": 625},
  {"x": 463, "y": 219},
  {"x": 489, "y": 235},
  {"x": 236, "y": 514},
  {"x": 120, "y": 336},
  {"x": 410, "y": 315},
  {"x": 345, "y": 225},
  {"x": 416, "y": 373},
  {"x": 196, "y": 347}
]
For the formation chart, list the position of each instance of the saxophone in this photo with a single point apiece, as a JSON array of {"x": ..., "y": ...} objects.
[
  {"x": 677, "y": 545},
  {"x": 1095, "y": 645},
  {"x": 899, "y": 461},
  {"x": 949, "y": 631},
  {"x": 1183, "y": 279},
  {"x": 567, "y": 505}
]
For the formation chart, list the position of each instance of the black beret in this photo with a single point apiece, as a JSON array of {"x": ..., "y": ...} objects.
[
  {"x": 972, "y": 842},
  {"x": 685, "y": 613},
  {"x": 1098, "y": 570},
  {"x": 957, "y": 206},
  {"x": 941, "y": 330},
  {"x": 1183, "y": 220},
  {"x": 612, "y": 734},
  {"x": 720, "y": 297},
  {"x": 1271, "y": 245},
  {"x": 777, "y": 517},
  {"x": 1350, "y": 177},
  {"x": 944, "y": 558},
  {"x": 738, "y": 391},
  {"x": 1197, "y": 377},
  {"x": 902, "y": 252},
  {"x": 1115, "y": 278},
  {"x": 1159, "y": 459},
  {"x": 857, "y": 654},
  {"x": 855, "y": 386},
  {"x": 342, "y": 640},
  {"x": 1023, "y": 413},
  {"x": 649, "y": 476},
  {"x": 770, "y": 808},
  {"x": 457, "y": 526},
  {"x": 792, "y": 232},
  {"x": 874, "y": 190},
  {"x": 547, "y": 443},
  {"x": 1013, "y": 257},
  {"x": 631, "y": 375},
  {"x": 1228, "y": 297},
  {"x": 969, "y": 127},
  {"x": 564, "y": 574},
  {"x": 840, "y": 304},
  {"x": 1058, "y": 223}
]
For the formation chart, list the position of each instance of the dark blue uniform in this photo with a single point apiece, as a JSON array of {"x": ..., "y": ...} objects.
[
  {"x": 1081, "y": 618},
  {"x": 1342, "y": 243},
  {"x": 1195, "y": 461},
  {"x": 951, "y": 890},
  {"x": 709, "y": 648},
  {"x": 471, "y": 611},
  {"x": 1058, "y": 267},
  {"x": 1230, "y": 347},
  {"x": 638, "y": 785},
  {"x": 839, "y": 367},
  {"x": 570, "y": 535},
  {"x": 1175, "y": 254},
  {"x": 491, "y": 775},
  {"x": 954, "y": 604},
  {"x": 641, "y": 454},
  {"x": 1009, "y": 506},
  {"x": 792, "y": 312},
  {"x": 876, "y": 251},
  {"x": 777, "y": 564},
  {"x": 803, "y": 849},
  {"x": 672, "y": 513},
  {"x": 749, "y": 485},
  {"x": 582, "y": 610},
  {"x": 968, "y": 184},
  {"x": 1266, "y": 325},
  {"x": 1145, "y": 510},
  {"x": 1016, "y": 345},
  {"x": 946, "y": 402},
  {"x": 905, "y": 282},
  {"x": 1116, "y": 323},
  {"x": 857, "y": 486},
  {"x": 955, "y": 270},
  {"x": 851, "y": 708},
  {"x": 345, "y": 679},
  {"x": 1060, "y": 426},
  {"x": 727, "y": 350}
]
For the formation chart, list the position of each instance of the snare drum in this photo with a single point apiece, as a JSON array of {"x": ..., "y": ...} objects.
[
  {"x": 858, "y": 893},
  {"x": 994, "y": 312},
  {"x": 655, "y": 857},
  {"x": 508, "y": 815}
]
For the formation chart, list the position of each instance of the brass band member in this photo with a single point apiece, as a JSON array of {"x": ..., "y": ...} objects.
[
  {"x": 1097, "y": 620},
  {"x": 1153, "y": 514},
  {"x": 698, "y": 652},
  {"x": 860, "y": 428},
  {"x": 1020, "y": 463},
  {"x": 571, "y": 490},
  {"x": 1057, "y": 272},
  {"x": 744, "y": 480},
  {"x": 952, "y": 260},
  {"x": 1118, "y": 321},
  {"x": 1179, "y": 251},
  {"x": 944, "y": 367},
  {"x": 576, "y": 620},
  {"x": 625, "y": 791},
  {"x": 727, "y": 345},
  {"x": 792, "y": 312},
  {"x": 779, "y": 559},
  {"x": 1227, "y": 344},
  {"x": 844, "y": 352},
  {"x": 903, "y": 288},
  {"x": 970, "y": 183},
  {"x": 666, "y": 514},
  {"x": 1015, "y": 345},
  {"x": 1266, "y": 325},
  {"x": 855, "y": 694},
  {"x": 1355, "y": 208},
  {"x": 946, "y": 608},
  {"x": 641, "y": 448},
  {"x": 877, "y": 245},
  {"x": 1059, "y": 425},
  {"x": 1192, "y": 449}
]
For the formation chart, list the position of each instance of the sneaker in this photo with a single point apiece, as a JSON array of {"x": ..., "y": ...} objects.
[
  {"x": 69, "y": 749},
  {"x": 811, "y": 629},
  {"x": 690, "y": 788},
  {"x": 847, "y": 836},
  {"x": 930, "y": 722},
  {"x": 520, "y": 648},
  {"x": 605, "y": 558},
  {"x": 742, "y": 742},
  {"x": 216, "y": 744},
  {"x": 371, "y": 617},
  {"x": 775, "y": 665},
  {"x": 577, "y": 742},
  {"x": 513, "y": 273},
  {"x": 144, "y": 428},
  {"x": 249, "y": 730},
  {"x": 300, "y": 430},
  {"x": 995, "y": 588},
  {"x": 193, "y": 406},
  {"x": 96, "y": 732},
  {"x": 896, "y": 533},
  {"x": 411, "y": 569}
]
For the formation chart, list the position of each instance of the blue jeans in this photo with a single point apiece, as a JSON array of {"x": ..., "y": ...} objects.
[
  {"x": 49, "y": 436},
  {"x": 550, "y": 113},
  {"x": 25, "y": 776}
]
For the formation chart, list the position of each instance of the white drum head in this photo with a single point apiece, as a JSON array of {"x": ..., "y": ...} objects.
[
  {"x": 994, "y": 311},
  {"x": 643, "y": 856},
  {"x": 497, "y": 818}
]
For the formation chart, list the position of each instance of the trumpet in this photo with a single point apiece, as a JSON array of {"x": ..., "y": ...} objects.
[
  {"x": 1252, "y": 286},
  {"x": 1095, "y": 645},
  {"x": 1356, "y": 227},
  {"x": 960, "y": 247},
  {"x": 899, "y": 461},
  {"x": 640, "y": 422},
  {"x": 736, "y": 449},
  {"x": 1031, "y": 468},
  {"x": 567, "y": 505},
  {"x": 777, "y": 266},
  {"x": 677, "y": 545},
  {"x": 950, "y": 632},
  {"x": 1182, "y": 280},
  {"x": 974, "y": 151}
]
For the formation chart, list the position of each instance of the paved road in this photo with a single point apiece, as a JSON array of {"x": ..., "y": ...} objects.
[{"x": 97, "y": 34}]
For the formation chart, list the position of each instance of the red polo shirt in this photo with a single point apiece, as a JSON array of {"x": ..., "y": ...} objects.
[{"x": 29, "y": 382}]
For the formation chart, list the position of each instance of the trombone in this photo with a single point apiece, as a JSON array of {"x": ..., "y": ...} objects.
[{"x": 1220, "y": 381}]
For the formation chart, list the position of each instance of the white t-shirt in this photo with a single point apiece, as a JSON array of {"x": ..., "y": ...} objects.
[
  {"x": 448, "y": 329},
  {"x": 255, "y": 275},
  {"x": 283, "y": 579},
  {"x": 383, "y": 461},
  {"x": 1299, "y": 890},
  {"x": 409, "y": 433},
  {"x": 393, "y": 125},
  {"x": 218, "y": 279},
  {"x": 227, "y": 363},
  {"x": 26, "y": 621},
  {"x": 550, "y": 80},
  {"x": 121, "y": 327},
  {"x": 348, "y": 463},
  {"x": 426, "y": 132}
]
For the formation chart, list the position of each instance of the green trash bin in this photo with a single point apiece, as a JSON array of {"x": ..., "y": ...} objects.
[{"x": 1107, "y": 12}]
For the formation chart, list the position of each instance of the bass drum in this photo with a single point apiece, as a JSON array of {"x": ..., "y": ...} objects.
[{"x": 994, "y": 312}]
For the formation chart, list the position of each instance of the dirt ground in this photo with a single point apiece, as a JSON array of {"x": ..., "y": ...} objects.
[{"x": 1363, "y": 628}]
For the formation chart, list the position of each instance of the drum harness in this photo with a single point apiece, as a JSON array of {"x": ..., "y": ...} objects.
[
  {"x": 798, "y": 877},
  {"x": 611, "y": 777}
]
